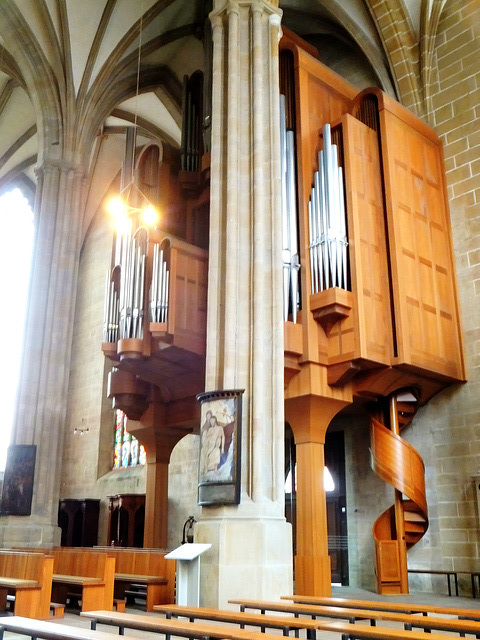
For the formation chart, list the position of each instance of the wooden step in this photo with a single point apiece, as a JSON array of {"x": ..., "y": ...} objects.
[
  {"x": 413, "y": 516},
  {"x": 414, "y": 527},
  {"x": 410, "y": 507}
]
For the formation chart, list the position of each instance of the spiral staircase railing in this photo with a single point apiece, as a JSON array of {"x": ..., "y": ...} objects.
[{"x": 403, "y": 524}]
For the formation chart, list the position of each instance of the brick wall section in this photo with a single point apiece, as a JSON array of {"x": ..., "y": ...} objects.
[
  {"x": 450, "y": 424},
  {"x": 446, "y": 432},
  {"x": 401, "y": 46}
]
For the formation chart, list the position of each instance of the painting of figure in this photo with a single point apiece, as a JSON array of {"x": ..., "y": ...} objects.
[
  {"x": 219, "y": 457},
  {"x": 18, "y": 481}
]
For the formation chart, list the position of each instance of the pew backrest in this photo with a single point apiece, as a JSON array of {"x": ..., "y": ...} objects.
[
  {"x": 79, "y": 563},
  {"x": 29, "y": 575},
  {"x": 22, "y": 565}
]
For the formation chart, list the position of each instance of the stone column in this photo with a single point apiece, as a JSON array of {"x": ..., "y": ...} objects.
[
  {"x": 251, "y": 550},
  {"x": 42, "y": 398}
]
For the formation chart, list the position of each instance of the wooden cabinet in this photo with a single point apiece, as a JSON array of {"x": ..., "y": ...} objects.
[
  {"x": 126, "y": 520},
  {"x": 78, "y": 520}
]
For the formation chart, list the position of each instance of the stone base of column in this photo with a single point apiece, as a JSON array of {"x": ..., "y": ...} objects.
[
  {"x": 19, "y": 532},
  {"x": 249, "y": 558}
]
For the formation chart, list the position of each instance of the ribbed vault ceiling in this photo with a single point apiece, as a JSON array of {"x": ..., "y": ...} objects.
[{"x": 76, "y": 62}]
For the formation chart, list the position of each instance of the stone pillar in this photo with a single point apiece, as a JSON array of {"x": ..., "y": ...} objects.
[
  {"x": 251, "y": 550},
  {"x": 42, "y": 398}
]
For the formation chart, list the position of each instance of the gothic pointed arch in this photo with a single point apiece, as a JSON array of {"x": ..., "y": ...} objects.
[{"x": 401, "y": 46}]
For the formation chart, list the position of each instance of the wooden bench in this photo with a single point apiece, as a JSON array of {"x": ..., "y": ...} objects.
[
  {"x": 57, "y": 610},
  {"x": 474, "y": 577},
  {"x": 156, "y": 624},
  {"x": 377, "y": 605},
  {"x": 352, "y": 615},
  {"x": 285, "y": 623},
  {"x": 441, "y": 572},
  {"x": 56, "y": 631},
  {"x": 365, "y": 632},
  {"x": 88, "y": 575},
  {"x": 50, "y": 630},
  {"x": 27, "y": 576},
  {"x": 147, "y": 567}
]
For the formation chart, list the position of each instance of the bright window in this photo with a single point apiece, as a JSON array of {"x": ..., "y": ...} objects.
[{"x": 16, "y": 239}]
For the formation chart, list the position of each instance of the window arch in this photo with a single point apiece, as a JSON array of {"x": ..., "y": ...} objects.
[{"x": 16, "y": 244}]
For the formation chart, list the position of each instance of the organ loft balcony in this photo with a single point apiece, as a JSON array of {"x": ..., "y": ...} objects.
[{"x": 155, "y": 321}]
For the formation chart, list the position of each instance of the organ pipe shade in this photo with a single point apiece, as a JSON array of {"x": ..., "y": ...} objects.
[
  {"x": 290, "y": 253},
  {"x": 127, "y": 288},
  {"x": 327, "y": 221}
]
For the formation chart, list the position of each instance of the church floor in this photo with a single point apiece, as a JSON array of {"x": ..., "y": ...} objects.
[{"x": 73, "y": 619}]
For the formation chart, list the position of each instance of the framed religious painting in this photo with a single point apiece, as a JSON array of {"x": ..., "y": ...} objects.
[
  {"x": 220, "y": 444},
  {"x": 18, "y": 480}
]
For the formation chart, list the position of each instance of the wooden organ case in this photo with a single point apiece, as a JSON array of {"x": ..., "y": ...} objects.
[
  {"x": 373, "y": 320},
  {"x": 155, "y": 307}
]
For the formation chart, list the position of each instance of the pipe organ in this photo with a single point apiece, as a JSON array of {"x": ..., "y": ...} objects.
[
  {"x": 156, "y": 307},
  {"x": 369, "y": 299},
  {"x": 378, "y": 314}
]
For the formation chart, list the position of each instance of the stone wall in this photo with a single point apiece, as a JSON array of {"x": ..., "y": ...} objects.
[
  {"x": 447, "y": 431},
  {"x": 88, "y": 452}
]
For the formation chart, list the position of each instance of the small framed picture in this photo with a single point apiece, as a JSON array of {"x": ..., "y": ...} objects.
[
  {"x": 18, "y": 480},
  {"x": 220, "y": 444}
]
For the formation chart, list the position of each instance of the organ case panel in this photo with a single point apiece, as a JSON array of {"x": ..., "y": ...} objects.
[
  {"x": 423, "y": 276},
  {"x": 370, "y": 319}
]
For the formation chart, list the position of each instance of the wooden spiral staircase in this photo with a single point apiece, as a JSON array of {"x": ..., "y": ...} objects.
[{"x": 395, "y": 461}]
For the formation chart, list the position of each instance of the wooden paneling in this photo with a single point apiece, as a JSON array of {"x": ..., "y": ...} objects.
[
  {"x": 423, "y": 276},
  {"x": 370, "y": 321},
  {"x": 188, "y": 311},
  {"x": 321, "y": 97}
]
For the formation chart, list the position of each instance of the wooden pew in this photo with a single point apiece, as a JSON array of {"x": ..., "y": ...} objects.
[
  {"x": 28, "y": 576},
  {"x": 285, "y": 623},
  {"x": 377, "y": 605},
  {"x": 56, "y": 631},
  {"x": 157, "y": 624},
  {"x": 365, "y": 632},
  {"x": 352, "y": 615},
  {"x": 147, "y": 567},
  {"x": 89, "y": 575},
  {"x": 347, "y": 630},
  {"x": 50, "y": 630}
]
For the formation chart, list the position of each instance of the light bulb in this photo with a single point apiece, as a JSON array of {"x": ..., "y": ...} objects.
[
  {"x": 119, "y": 212},
  {"x": 150, "y": 216},
  {"x": 116, "y": 207}
]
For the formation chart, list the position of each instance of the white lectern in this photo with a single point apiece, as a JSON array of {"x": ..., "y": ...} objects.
[{"x": 188, "y": 572}]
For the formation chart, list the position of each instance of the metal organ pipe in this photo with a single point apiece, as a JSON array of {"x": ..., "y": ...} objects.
[
  {"x": 110, "y": 312},
  {"x": 159, "y": 287},
  {"x": 124, "y": 305},
  {"x": 327, "y": 222},
  {"x": 290, "y": 257}
]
